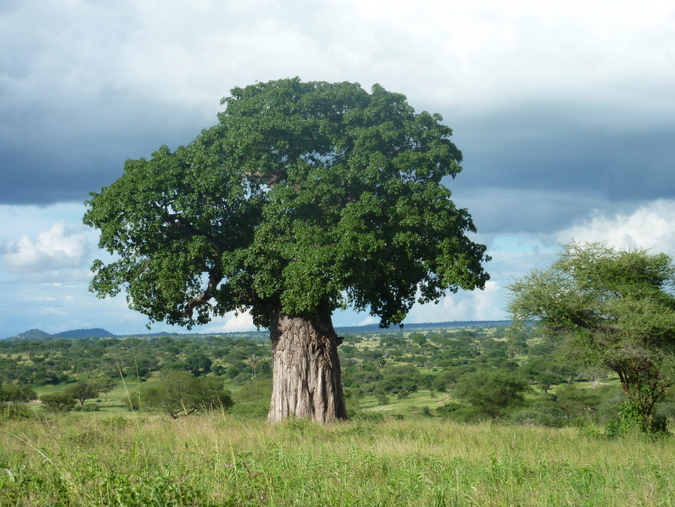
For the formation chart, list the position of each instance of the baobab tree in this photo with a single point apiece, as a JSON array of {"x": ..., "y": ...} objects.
[{"x": 303, "y": 199}]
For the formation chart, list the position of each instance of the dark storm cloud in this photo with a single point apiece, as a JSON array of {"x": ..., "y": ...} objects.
[
  {"x": 551, "y": 151},
  {"x": 539, "y": 171},
  {"x": 55, "y": 154}
]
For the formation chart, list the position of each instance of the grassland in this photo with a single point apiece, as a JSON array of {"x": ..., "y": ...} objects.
[{"x": 86, "y": 459}]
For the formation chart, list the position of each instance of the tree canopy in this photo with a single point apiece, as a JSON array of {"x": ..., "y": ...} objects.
[
  {"x": 616, "y": 307},
  {"x": 304, "y": 198},
  {"x": 179, "y": 392}
]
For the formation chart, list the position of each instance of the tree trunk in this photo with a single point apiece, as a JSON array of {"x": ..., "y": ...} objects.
[{"x": 307, "y": 376}]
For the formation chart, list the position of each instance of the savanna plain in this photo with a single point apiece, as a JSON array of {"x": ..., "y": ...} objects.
[
  {"x": 420, "y": 444},
  {"x": 215, "y": 460}
]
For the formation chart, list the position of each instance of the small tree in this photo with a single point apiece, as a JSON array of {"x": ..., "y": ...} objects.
[
  {"x": 198, "y": 363},
  {"x": 179, "y": 392},
  {"x": 58, "y": 402},
  {"x": 105, "y": 385},
  {"x": 82, "y": 391},
  {"x": 491, "y": 391},
  {"x": 17, "y": 393},
  {"x": 615, "y": 308}
]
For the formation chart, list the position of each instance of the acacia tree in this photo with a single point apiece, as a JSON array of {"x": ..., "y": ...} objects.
[
  {"x": 492, "y": 392},
  {"x": 82, "y": 391},
  {"x": 617, "y": 310},
  {"x": 304, "y": 198}
]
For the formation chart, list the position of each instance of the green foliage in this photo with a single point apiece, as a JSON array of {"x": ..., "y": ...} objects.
[
  {"x": 58, "y": 402},
  {"x": 82, "y": 391},
  {"x": 15, "y": 411},
  {"x": 629, "y": 420},
  {"x": 617, "y": 310},
  {"x": 211, "y": 461},
  {"x": 305, "y": 198},
  {"x": 198, "y": 363},
  {"x": 17, "y": 393},
  {"x": 491, "y": 391},
  {"x": 253, "y": 399},
  {"x": 105, "y": 385},
  {"x": 179, "y": 392},
  {"x": 541, "y": 413}
]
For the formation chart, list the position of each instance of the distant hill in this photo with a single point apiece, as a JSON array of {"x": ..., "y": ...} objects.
[
  {"x": 425, "y": 325},
  {"x": 32, "y": 334},
  {"x": 37, "y": 334},
  {"x": 85, "y": 333}
]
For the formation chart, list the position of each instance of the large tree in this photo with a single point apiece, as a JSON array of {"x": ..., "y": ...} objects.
[
  {"x": 616, "y": 309},
  {"x": 304, "y": 198}
]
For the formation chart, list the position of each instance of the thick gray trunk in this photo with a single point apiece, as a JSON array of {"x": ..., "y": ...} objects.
[{"x": 307, "y": 376}]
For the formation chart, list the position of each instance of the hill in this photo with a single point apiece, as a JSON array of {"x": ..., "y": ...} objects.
[
  {"x": 85, "y": 333},
  {"x": 32, "y": 334},
  {"x": 36, "y": 334}
]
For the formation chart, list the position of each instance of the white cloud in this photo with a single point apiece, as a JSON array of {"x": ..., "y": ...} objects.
[
  {"x": 234, "y": 323},
  {"x": 484, "y": 304},
  {"x": 650, "y": 226},
  {"x": 369, "y": 321},
  {"x": 57, "y": 248},
  {"x": 479, "y": 54}
]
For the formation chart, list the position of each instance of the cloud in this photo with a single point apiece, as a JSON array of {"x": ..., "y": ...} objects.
[
  {"x": 57, "y": 248},
  {"x": 463, "y": 306},
  {"x": 532, "y": 87},
  {"x": 649, "y": 226},
  {"x": 233, "y": 323}
]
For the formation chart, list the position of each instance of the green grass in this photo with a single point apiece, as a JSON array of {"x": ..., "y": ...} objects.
[{"x": 213, "y": 460}]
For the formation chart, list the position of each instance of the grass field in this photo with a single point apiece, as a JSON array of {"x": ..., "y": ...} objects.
[{"x": 127, "y": 459}]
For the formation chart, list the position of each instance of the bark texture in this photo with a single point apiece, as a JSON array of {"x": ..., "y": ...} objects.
[{"x": 307, "y": 376}]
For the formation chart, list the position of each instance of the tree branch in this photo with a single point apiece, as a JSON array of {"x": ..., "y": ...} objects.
[{"x": 215, "y": 278}]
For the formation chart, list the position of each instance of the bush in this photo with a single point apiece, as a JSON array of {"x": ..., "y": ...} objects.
[
  {"x": 253, "y": 399},
  {"x": 630, "y": 421},
  {"x": 57, "y": 402},
  {"x": 179, "y": 392},
  {"x": 133, "y": 401},
  {"x": 492, "y": 391},
  {"x": 14, "y": 411},
  {"x": 17, "y": 393},
  {"x": 542, "y": 413},
  {"x": 581, "y": 404},
  {"x": 468, "y": 415}
]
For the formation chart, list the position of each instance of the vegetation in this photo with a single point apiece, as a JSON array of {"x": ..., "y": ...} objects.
[
  {"x": 419, "y": 430},
  {"x": 617, "y": 311},
  {"x": 216, "y": 460},
  {"x": 179, "y": 392},
  {"x": 303, "y": 199},
  {"x": 440, "y": 372},
  {"x": 82, "y": 391}
]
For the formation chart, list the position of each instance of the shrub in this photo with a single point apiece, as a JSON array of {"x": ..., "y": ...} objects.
[
  {"x": 492, "y": 391},
  {"x": 253, "y": 399},
  {"x": 179, "y": 392},
  {"x": 17, "y": 393},
  {"x": 57, "y": 402}
]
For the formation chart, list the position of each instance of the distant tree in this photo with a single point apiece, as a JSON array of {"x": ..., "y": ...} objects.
[
  {"x": 616, "y": 309},
  {"x": 304, "y": 199},
  {"x": 491, "y": 391},
  {"x": 418, "y": 338},
  {"x": 105, "y": 385},
  {"x": 17, "y": 393},
  {"x": 198, "y": 363},
  {"x": 58, "y": 402},
  {"x": 179, "y": 392},
  {"x": 82, "y": 391}
]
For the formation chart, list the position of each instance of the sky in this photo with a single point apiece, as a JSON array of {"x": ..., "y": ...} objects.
[{"x": 564, "y": 112}]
